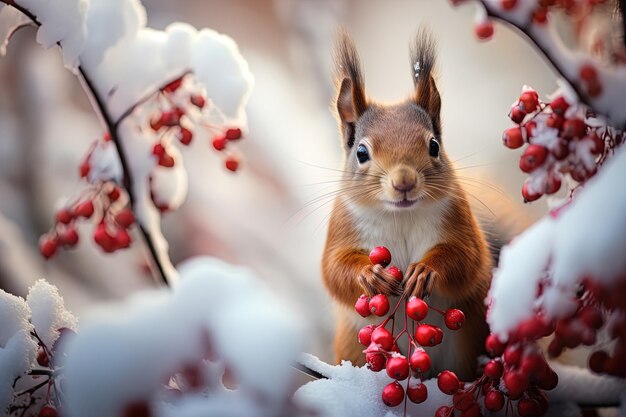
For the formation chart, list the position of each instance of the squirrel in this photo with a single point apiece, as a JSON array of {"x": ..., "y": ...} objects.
[{"x": 400, "y": 190}]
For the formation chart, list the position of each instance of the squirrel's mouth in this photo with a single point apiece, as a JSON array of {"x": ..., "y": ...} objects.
[{"x": 404, "y": 203}]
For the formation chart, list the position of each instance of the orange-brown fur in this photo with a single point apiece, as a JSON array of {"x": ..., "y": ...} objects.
[{"x": 457, "y": 267}]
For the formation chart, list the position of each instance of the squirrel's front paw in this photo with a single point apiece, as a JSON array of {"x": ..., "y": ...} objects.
[
  {"x": 420, "y": 280},
  {"x": 375, "y": 280}
]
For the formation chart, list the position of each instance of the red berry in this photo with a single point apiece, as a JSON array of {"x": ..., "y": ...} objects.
[
  {"x": 393, "y": 394},
  {"x": 588, "y": 73},
  {"x": 598, "y": 361},
  {"x": 365, "y": 335},
  {"x": 42, "y": 358},
  {"x": 416, "y": 308},
  {"x": 517, "y": 115},
  {"x": 598, "y": 144},
  {"x": 463, "y": 400},
  {"x": 84, "y": 209},
  {"x": 512, "y": 355},
  {"x": 68, "y": 237},
  {"x": 591, "y": 316},
  {"x": 529, "y": 196},
  {"x": 380, "y": 255},
  {"x": 396, "y": 273},
  {"x": 529, "y": 100},
  {"x": 438, "y": 335},
  {"x": 362, "y": 306},
  {"x": 84, "y": 169},
  {"x": 379, "y": 305},
  {"x": 528, "y": 407},
  {"x": 426, "y": 335},
  {"x": 398, "y": 367},
  {"x": 197, "y": 101},
  {"x": 508, "y": 4},
  {"x": 454, "y": 319},
  {"x": 555, "y": 348},
  {"x": 448, "y": 382},
  {"x": 185, "y": 135},
  {"x": 540, "y": 15},
  {"x": 559, "y": 105},
  {"x": 122, "y": 239},
  {"x": 552, "y": 183},
  {"x": 48, "y": 410},
  {"x": 114, "y": 194},
  {"x": 568, "y": 332},
  {"x": 173, "y": 86},
  {"x": 494, "y": 346},
  {"x": 375, "y": 361},
  {"x": 158, "y": 150},
  {"x": 484, "y": 30},
  {"x": 125, "y": 218},
  {"x": 382, "y": 337},
  {"x": 444, "y": 411},
  {"x": 47, "y": 246},
  {"x": 232, "y": 163},
  {"x": 532, "y": 158},
  {"x": 493, "y": 369},
  {"x": 219, "y": 142},
  {"x": 233, "y": 134},
  {"x": 417, "y": 392},
  {"x": 420, "y": 361},
  {"x": 533, "y": 364},
  {"x": 170, "y": 118},
  {"x": 515, "y": 383},
  {"x": 512, "y": 137},
  {"x": 472, "y": 411},
  {"x": 494, "y": 400},
  {"x": 102, "y": 237},
  {"x": 155, "y": 123},
  {"x": 549, "y": 381},
  {"x": 594, "y": 88},
  {"x": 574, "y": 128},
  {"x": 64, "y": 216},
  {"x": 555, "y": 121}
]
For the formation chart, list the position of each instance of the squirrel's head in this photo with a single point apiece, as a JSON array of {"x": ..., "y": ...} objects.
[{"x": 395, "y": 158}]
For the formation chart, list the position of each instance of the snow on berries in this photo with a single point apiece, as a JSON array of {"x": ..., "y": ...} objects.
[
  {"x": 562, "y": 138},
  {"x": 381, "y": 344}
]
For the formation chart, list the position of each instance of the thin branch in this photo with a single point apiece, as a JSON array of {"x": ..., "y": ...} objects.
[
  {"x": 113, "y": 132},
  {"x": 525, "y": 30}
]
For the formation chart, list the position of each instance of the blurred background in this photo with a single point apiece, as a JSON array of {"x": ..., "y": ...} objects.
[{"x": 272, "y": 214}]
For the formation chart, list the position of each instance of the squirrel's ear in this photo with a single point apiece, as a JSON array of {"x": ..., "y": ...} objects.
[
  {"x": 426, "y": 96},
  {"x": 351, "y": 101}
]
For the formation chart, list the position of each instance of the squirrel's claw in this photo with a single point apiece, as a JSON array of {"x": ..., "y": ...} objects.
[
  {"x": 420, "y": 280},
  {"x": 375, "y": 280}
]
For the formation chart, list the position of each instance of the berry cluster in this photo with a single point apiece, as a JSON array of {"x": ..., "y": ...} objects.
[
  {"x": 562, "y": 137},
  {"x": 175, "y": 110},
  {"x": 381, "y": 344},
  {"x": 47, "y": 359},
  {"x": 484, "y": 27},
  {"x": 102, "y": 204}
]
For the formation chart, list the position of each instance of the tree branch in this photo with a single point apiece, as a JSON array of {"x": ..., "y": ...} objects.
[{"x": 113, "y": 132}]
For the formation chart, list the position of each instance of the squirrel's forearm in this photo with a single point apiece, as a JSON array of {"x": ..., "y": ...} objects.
[
  {"x": 463, "y": 270},
  {"x": 340, "y": 269}
]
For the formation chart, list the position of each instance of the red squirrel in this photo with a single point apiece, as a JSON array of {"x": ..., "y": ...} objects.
[{"x": 400, "y": 190}]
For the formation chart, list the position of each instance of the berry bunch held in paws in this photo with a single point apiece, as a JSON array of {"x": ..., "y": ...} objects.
[{"x": 381, "y": 343}]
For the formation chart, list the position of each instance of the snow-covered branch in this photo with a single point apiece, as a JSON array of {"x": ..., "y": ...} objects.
[
  {"x": 600, "y": 87},
  {"x": 128, "y": 91}
]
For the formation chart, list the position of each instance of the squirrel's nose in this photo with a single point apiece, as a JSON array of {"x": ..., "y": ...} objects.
[{"x": 404, "y": 185}]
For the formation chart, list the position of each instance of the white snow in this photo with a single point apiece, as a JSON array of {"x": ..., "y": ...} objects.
[
  {"x": 356, "y": 391},
  {"x": 10, "y": 21},
  {"x": 248, "y": 329},
  {"x": 48, "y": 313},
  {"x": 62, "y": 21},
  {"x": 585, "y": 240}
]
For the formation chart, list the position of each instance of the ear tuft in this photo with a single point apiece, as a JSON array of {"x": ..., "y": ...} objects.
[
  {"x": 351, "y": 101},
  {"x": 423, "y": 60}
]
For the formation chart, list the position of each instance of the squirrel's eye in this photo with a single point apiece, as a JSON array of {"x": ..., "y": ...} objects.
[
  {"x": 362, "y": 155},
  {"x": 433, "y": 148}
]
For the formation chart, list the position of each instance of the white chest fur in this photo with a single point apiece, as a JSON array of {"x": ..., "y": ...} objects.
[{"x": 408, "y": 235}]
